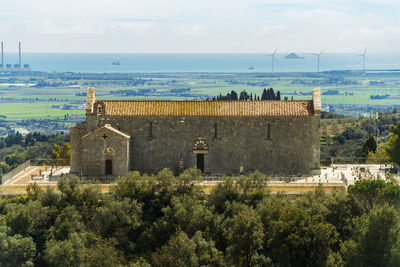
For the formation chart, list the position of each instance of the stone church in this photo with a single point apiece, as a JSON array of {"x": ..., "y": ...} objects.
[{"x": 218, "y": 137}]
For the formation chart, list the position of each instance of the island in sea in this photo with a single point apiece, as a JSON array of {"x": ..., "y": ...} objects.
[{"x": 293, "y": 56}]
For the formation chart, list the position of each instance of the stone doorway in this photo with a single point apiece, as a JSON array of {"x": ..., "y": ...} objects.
[
  {"x": 200, "y": 148},
  {"x": 200, "y": 162},
  {"x": 108, "y": 167}
]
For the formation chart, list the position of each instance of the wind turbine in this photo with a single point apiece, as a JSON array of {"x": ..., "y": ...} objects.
[
  {"x": 318, "y": 56},
  {"x": 272, "y": 59},
  {"x": 363, "y": 57}
]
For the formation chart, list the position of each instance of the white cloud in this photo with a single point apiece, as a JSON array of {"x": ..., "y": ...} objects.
[
  {"x": 93, "y": 27},
  {"x": 199, "y": 26},
  {"x": 7, "y": 27},
  {"x": 132, "y": 26},
  {"x": 365, "y": 34},
  {"x": 378, "y": 38},
  {"x": 196, "y": 30},
  {"x": 271, "y": 29},
  {"x": 80, "y": 27},
  {"x": 316, "y": 14}
]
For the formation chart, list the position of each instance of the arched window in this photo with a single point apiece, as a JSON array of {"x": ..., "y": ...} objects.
[{"x": 100, "y": 109}]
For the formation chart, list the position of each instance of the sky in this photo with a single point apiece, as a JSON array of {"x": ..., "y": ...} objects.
[{"x": 202, "y": 26}]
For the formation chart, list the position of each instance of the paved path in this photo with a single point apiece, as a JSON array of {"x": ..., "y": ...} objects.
[{"x": 22, "y": 177}]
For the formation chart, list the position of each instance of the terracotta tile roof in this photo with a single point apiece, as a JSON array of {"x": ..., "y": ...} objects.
[{"x": 209, "y": 108}]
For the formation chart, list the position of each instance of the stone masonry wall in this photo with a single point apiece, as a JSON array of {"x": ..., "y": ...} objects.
[
  {"x": 76, "y": 132},
  {"x": 293, "y": 147},
  {"x": 95, "y": 150}
]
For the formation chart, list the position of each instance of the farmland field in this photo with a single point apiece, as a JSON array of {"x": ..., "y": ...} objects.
[{"x": 56, "y": 95}]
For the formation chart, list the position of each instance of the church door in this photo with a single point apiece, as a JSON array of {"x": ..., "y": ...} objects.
[
  {"x": 200, "y": 162},
  {"x": 108, "y": 166}
]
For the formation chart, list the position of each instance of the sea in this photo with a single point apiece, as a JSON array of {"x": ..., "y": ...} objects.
[{"x": 149, "y": 63}]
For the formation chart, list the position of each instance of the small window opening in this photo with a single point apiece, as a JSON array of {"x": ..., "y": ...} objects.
[
  {"x": 268, "y": 131},
  {"x": 215, "y": 130},
  {"x": 150, "y": 129}
]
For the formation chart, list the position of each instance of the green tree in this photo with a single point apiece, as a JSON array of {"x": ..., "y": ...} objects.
[
  {"x": 102, "y": 252},
  {"x": 15, "y": 250},
  {"x": 223, "y": 193},
  {"x": 189, "y": 214},
  {"x": 298, "y": 239},
  {"x": 187, "y": 180},
  {"x": 120, "y": 220},
  {"x": 184, "y": 251},
  {"x": 180, "y": 251},
  {"x": 14, "y": 159},
  {"x": 393, "y": 144},
  {"x": 278, "y": 95},
  {"x": 369, "y": 146},
  {"x": 19, "y": 219},
  {"x": 68, "y": 222},
  {"x": 373, "y": 239},
  {"x": 245, "y": 239},
  {"x": 234, "y": 95},
  {"x": 252, "y": 188},
  {"x": 62, "y": 154},
  {"x": 206, "y": 252},
  {"x": 369, "y": 125},
  {"x": 341, "y": 210},
  {"x": 2, "y": 143},
  {"x": 68, "y": 252},
  {"x": 366, "y": 192},
  {"x": 380, "y": 156},
  {"x": 390, "y": 194},
  {"x": 4, "y": 167}
]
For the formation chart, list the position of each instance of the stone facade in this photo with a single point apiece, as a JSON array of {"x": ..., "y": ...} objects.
[{"x": 275, "y": 145}]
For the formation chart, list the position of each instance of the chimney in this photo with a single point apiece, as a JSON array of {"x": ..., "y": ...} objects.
[
  {"x": 316, "y": 97},
  {"x": 90, "y": 99},
  {"x": 2, "y": 55},
  {"x": 19, "y": 45}
]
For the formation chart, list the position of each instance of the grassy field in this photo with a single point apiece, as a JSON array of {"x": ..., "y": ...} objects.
[
  {"x": 34, "y": 110},
  {"x": 25, "y": 102}
]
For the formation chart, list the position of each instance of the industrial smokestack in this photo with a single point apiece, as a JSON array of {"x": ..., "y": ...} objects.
[
  {"x": 20, "y": 63},
  {"x": 2, "y": 55}
]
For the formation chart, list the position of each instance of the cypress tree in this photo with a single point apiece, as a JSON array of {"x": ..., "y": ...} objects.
[
  {"x": 264, "y": 94},
  {"x": 270, "y": 94},
  {"x": 233, "y": 95},
  {"x": 369, "y": 145}
]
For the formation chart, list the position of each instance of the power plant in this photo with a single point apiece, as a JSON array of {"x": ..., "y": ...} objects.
[{"x": 18, "y": 67}]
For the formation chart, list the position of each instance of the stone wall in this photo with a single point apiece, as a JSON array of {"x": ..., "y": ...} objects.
[
  {"x": 98, "y": 146},
  {"x": 76, "y": 132},
  {"x": 292, "y": 149}
]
